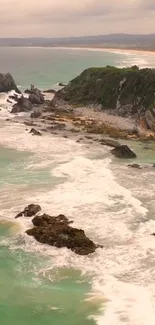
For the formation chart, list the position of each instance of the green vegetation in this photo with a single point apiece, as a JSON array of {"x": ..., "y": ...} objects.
[{"x": 127, "y": 90}]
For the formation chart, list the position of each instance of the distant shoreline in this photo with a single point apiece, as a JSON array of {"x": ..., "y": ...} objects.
[{"x": 89, "y": 48}]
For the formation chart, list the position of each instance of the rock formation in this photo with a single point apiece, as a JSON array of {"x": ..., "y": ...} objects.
[
  {"x": 36, "y": 96},
  {"x": 56, "y": 231},
  {"x": 123, "y": 152},
  {"x": 128, "y": 92},
  {"x": 7, "y": 83},
  {"x": 23, "y": 105}
]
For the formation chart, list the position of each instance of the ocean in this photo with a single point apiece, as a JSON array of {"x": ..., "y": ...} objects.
[{"x": 115, "y": 205}]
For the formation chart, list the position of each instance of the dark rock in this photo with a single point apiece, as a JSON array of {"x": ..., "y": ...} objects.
[
  {"x": 123, "y": 152},
  {"x": 51, "y": 91},
  {"x": 27, "y": 91},
  {"x": 60, "y": 84},
  {"x": 7, "y": 83},
  {"x": 29, "y": 211},
  {"x": 36, "y": 96},
  {"x": 135, "y": 166},
  {"x": 9, "y": 101},
  {"x": 14, "y": 97},
  {"x": 56, "y": 231},
  {"x": 23, "y": 105},
  {"x": 35, "y": 132}
]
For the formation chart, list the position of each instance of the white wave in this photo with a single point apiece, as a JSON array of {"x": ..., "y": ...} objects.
[{"x": 122, "y": 272}]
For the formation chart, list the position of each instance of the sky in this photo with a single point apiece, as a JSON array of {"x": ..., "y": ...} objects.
[{"x": 56, "y": 18}]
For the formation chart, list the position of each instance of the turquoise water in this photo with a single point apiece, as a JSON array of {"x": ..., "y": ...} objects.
[
  {"x": 45, "y": 67},
  {"x": 28, "y": 294},
  {"x": 33, "y": 287}
]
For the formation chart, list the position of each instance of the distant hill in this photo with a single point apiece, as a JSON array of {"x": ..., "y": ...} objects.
[{"x": 144, "y": 42}]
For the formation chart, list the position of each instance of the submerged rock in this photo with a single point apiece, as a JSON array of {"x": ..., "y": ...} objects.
[
  {"x": 35, "y": 132},
  {"x": 29, "y": 211},
  {"x": 123, "y": 152},
  {"x": 7, "y": 83}
]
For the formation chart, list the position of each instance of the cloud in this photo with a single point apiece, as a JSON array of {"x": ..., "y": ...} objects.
[{"x": 76, "y": 17}]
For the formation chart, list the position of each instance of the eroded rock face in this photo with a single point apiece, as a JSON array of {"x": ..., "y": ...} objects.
[
  {"x": 29, "y": 211},
  {"x": 7, "y": 83},
  {"x": 123, "y": 152},
  {"x": 56, "y": 231}
]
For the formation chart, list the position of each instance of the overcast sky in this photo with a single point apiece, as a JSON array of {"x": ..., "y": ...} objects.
[{"x": 53, "y": 18}]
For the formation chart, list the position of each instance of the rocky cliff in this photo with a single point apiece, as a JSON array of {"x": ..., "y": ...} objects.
[
  {"x": 125, "y": 91},
  {"x": 7, "y": 83}
]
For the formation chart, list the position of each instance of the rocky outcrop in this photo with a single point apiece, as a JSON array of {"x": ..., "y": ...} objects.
[
  {"x": 7, "y": 83},
  {"x": 23, "y": 105},
  {"x": 36, "y": 96},
  {"x": 29, "y": 211},
  {"x": 125, "y": 92},
  {"x": 123, "y": 152},
  {"x": 56, "y": 231}
]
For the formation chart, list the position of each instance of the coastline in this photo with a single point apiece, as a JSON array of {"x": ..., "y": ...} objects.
[
  {"x": 110, "y": 49},
  {"x": 116, "y": 50}
]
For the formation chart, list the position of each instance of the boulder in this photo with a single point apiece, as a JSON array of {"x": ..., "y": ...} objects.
[
  {"x": 56, "y": 231},
  {"x": 29, "y": 211},
  {"x": 35, "y": 132},
  {"x": 23, "y": 105},
  {"x": 123, "y": 152},
  {"x": 7, "y": 83}
]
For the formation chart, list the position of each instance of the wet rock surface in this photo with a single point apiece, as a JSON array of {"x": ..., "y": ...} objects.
[
  {"x": 56, "y": 231},
  {"x": 29, "y": 211},
  {"x": 123, "y": 152}
]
